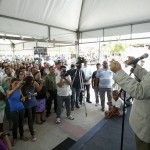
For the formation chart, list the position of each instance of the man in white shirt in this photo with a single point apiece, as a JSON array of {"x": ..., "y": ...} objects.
[
  {"x": 63, "y": 82},
  {"x": 88, "y": 74}
]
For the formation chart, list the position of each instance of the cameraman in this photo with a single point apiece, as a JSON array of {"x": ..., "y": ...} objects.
[
  {"x": 63, "y": 82},
  {"x": 77, "y": 77}
]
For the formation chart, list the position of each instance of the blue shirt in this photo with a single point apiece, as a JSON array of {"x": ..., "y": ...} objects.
[
  {"x": 30, "y": 102},
  {"x": 15, "y": 101},
  {"x": 105, "y": 77}
]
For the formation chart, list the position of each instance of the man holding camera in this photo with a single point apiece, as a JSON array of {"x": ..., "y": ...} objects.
[{"x": 63, "y": 82}]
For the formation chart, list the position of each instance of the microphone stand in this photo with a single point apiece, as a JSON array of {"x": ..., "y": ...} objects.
[{"x": 123, "y": 117}]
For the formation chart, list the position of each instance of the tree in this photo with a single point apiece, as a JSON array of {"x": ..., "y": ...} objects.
[{"x": 118, "y": 48}]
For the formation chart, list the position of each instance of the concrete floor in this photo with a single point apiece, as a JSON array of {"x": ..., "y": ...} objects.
[{"x": 51, "y": 134}]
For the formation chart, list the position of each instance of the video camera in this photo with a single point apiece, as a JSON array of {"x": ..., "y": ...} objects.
[
  {"x": 80, "y": 60},
  {"x": 64, "y": 73}
]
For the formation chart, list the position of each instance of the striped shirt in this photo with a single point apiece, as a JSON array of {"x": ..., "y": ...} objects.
[{"x": 105, "y": 77}]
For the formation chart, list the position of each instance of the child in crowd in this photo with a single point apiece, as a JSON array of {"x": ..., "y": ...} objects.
[{"x": 116, "y": 107}]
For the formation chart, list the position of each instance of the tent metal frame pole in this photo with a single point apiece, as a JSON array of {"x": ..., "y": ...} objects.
[
  {"x": 81, "y": 9},
  {"x": 103, "y": 34},
  {"x": 34, "y": 22},
  {"x": 78, "y": 32},
  {"x": 49, "y": 33},
  {"x": 117, "y": 40},
  {"x": 116, "y": 26},
  {"x": 131, "y": 30},
  {"x": 77, "y": 44},
  {"x": 99, "y": 47},
  {"x": 31, "y": 40}
]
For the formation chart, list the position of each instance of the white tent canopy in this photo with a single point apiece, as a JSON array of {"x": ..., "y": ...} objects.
[{"x": 61, "y": 20}]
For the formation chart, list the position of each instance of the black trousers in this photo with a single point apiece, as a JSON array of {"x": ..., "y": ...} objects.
[
  {"x": 53, "y": 96},
  {"x": 31, "y": 112},
  {"x": 17, "y": 119}
]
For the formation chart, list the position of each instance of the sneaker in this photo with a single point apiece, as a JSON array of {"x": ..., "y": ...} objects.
[
  {"x": 96, "y": 104},
  {"x": 88, "y": 101},
  {"x": 77, "y": 106},
  {"x": 33, "y": 138},
  {"x": 57, "y": 120},
  {"x": 70, "y": 117}
]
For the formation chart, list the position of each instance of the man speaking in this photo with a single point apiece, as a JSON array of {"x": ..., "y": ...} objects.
[{"x": 140, "y": 91}]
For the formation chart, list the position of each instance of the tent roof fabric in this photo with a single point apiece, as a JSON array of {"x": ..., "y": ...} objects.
[{"x": 45, "y": 18}]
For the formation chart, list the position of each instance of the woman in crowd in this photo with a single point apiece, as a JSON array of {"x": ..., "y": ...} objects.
[
  {"x": 2, "y": 107},
  {"x": 21, "y": 75},
  {"x": 28, "y": 89},
  {"x": 5, "y": 142},
  {"x": 41, "y": 99},
  {"x": 15, "y": 99},
  {"x": 7, "y": 83}
]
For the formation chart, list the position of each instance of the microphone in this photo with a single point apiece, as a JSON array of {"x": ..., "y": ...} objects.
[{"x": 137, "y": 59}]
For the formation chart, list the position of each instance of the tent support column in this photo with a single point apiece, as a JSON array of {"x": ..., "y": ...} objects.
[
  {"x": 99, "y": 47},
  {"x": 77, "y": 44},
  {"x": 49, "y": 33}
]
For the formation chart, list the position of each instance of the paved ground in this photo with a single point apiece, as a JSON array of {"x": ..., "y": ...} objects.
[{"x": 50, "y": 134}]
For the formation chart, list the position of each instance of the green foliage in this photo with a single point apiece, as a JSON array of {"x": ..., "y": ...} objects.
[{"x": 117, "y": 48}]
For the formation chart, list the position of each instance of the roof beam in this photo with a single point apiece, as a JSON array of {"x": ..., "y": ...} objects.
[
  {"x": 38, "y": 23},
  {"x": 79, "y": 21},
  {"x": 115, "y": 26},
  {"x": 116, "y": 40},
  {"x": 31, "y": 39}
]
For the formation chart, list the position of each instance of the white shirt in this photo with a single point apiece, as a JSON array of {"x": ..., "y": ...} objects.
[
  {"x": 118, "y": 104},
  {"x": 65, "y": 90},
  {"x": 87, "y": 73},
  {"x": 57, "y": 72}
]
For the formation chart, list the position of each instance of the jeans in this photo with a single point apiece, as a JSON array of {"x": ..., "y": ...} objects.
[
  {"x": 75, "y": 96},
  {"x": 96, "y": 91},
  {"x": 31, "y": 117},
  {"x": 17, "y": 119},
  {"x": 87, "y": 87},
  {"x": 60, "y": 100}
]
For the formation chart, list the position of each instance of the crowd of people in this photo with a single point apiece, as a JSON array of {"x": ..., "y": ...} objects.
[{"x": 28, "y": 90}]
